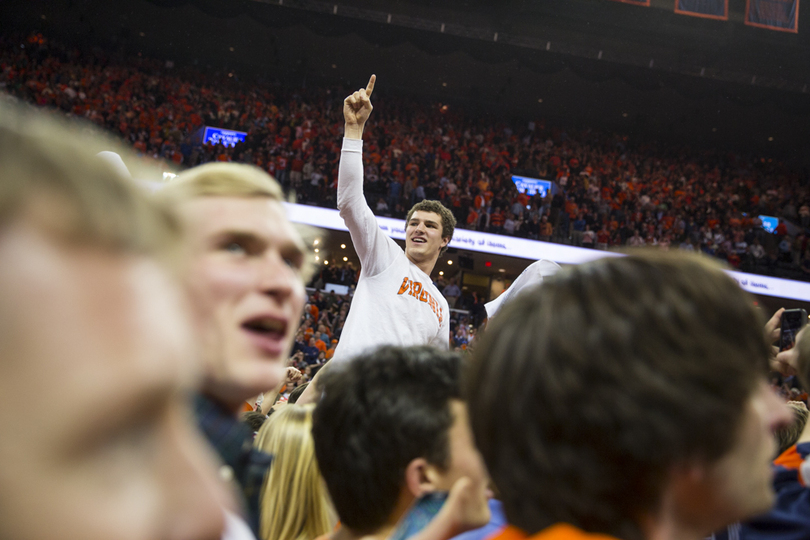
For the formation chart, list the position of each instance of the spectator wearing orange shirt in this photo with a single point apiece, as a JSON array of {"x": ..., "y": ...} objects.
[
  {"x": 479, "y": 201},
  {"x": 472, "y": 219},
  {"x": 546, "y": 229},
  {"x": 313, "y": 311},
  {"x": 296, "y": 170},
  {"x": 496, "y": 220},
  {"x": 331, "y": 350}
]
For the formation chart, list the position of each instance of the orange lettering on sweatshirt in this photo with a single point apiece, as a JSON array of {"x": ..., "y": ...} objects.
[{"x": 418, "y": 291}]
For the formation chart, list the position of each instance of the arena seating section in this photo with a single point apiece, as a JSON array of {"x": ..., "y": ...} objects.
[{"x": 610, "y": 184}]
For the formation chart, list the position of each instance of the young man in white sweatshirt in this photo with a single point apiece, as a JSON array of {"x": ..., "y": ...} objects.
[{"x": 395, "y": 302}]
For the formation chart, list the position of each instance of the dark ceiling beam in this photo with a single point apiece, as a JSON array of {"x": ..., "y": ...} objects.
[{"x": 642, "y": 58}]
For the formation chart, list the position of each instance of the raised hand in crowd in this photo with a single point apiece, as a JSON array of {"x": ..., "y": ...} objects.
[{"x": 293, "y": 375}]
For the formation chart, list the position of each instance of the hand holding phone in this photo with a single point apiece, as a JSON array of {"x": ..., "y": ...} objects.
[{"x": 793, "y": 320}]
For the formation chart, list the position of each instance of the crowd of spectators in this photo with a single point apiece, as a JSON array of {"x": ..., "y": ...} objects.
[{"x": 608, "y": 189}]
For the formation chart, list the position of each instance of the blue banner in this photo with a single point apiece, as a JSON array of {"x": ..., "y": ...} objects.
[
  {"x": 227, "y": 137},
  {"x": 782, "y": 15},
  {"x": 531, "y": 186},
  {"x": 709, "y": 9},
  {"x": 769, "y": 223}
]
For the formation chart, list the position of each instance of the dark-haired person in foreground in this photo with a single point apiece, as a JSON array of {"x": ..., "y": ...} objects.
[
  {"x": 642, "y": 410},
  {"x": 395, "y": 302},
  {"x": 391, "y": 432}
]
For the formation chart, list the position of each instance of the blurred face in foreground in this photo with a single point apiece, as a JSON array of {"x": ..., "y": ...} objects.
[
  {"x": 740, "y": 484},
  {"x": 96, "y": 364},
  {"x": 246, "y": 272}
]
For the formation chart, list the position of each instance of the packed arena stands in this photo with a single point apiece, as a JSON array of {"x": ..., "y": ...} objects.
[{"x": 610, "y": 190}]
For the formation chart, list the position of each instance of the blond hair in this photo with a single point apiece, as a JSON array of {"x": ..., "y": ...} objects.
[
  {"x": 50, "y": 174},
  {"x": 237, "y": 180},
  {"x": 294, "y": 502},
  {"x": 789, "y": 435},
  {"x": 223, "y": 180}
]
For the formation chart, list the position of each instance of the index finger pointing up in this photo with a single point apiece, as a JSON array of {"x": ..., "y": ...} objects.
[{"x": 370, "y": 86}]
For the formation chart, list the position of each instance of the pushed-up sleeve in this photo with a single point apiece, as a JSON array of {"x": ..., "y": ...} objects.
[{"x": 376, "y": 250}]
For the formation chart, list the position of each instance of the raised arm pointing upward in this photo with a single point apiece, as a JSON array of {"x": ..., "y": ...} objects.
[{"x": 429, "y": 225}]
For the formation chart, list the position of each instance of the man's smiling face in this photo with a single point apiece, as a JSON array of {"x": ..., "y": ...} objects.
[{"x": 423, "y": 236}]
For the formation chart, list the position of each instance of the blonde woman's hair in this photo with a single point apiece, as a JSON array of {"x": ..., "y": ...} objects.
[
  {"x": 788, "y": 435},
  {"x": 294, "y": 502}
]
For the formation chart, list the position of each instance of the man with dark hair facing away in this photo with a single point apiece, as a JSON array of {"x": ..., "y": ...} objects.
[
  {"x": 643, "y": 410},
  {"x": 391, "y": 434}
]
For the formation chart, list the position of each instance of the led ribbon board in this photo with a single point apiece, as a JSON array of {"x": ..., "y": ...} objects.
[{"x": 533, "y": 250}]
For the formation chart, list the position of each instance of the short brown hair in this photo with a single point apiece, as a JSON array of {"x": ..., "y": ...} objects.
[
  {"x": 627, "y": 366},
  {"x": 49, "y": 172},
  {"x": 448, "y": 219}
]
